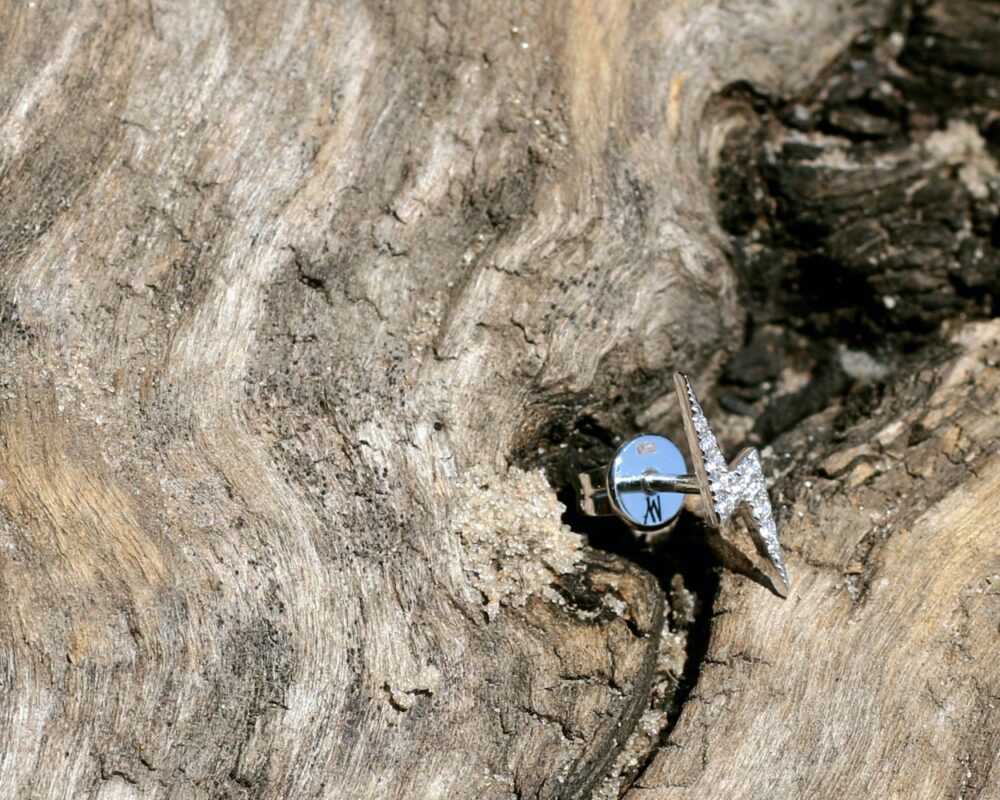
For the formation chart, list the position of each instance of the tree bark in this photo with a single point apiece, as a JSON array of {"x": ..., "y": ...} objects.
[{"x": 297, "y": 301}]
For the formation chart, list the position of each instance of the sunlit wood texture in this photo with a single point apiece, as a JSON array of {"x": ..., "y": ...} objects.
[
  {"x": 879, "y": 676},
  {"x": 284, "y": 289}
]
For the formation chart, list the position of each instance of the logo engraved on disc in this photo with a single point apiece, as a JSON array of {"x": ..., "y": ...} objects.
[
  {"x": 645, "y": 455},
  {"x": 652, "y": 515}
]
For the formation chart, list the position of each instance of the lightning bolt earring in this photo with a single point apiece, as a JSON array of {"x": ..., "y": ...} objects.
[{"x": 645, "y": 483}]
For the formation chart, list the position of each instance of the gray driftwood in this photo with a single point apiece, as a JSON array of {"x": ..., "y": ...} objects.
[{"x": 290, "y": 296}]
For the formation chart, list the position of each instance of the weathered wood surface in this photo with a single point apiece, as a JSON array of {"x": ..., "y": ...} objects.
[
  {"x": 866, "y": 222},
  {"x": 288, "y": 292},
  {"x": 879, "y": 676}
]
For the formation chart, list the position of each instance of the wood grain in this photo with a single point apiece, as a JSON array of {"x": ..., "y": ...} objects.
[
  {"x": 878, "y": 676},
  {"x": 287, "y": 291}
]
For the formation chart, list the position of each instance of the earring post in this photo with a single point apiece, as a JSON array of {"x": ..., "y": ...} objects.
[{"x": 653, "y": 483}]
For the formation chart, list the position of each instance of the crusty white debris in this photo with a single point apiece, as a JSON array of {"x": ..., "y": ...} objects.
[{"x": 513, "y": 537}]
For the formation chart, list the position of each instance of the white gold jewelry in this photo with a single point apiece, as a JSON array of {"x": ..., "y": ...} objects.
[{"x": 645, "y": 483}]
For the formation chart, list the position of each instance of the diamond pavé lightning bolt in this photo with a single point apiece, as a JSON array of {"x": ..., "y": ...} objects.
[{"x": 727, "y": 488}]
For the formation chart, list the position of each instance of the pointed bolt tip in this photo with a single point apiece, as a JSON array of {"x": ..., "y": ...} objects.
[
  {"x": 786, "y": 587},
  {"x": 684, "y": 389}
]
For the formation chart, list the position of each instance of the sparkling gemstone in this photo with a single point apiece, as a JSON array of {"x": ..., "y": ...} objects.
[{"x": 729, "y": 488}]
